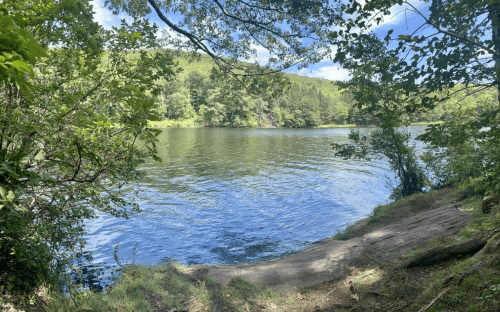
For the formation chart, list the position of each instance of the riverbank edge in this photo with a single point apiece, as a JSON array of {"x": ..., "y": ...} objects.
[
  {"x": 136, "y": 290},
  {"x": 191, "y": 123}
]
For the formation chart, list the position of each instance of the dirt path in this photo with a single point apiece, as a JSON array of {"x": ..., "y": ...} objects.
[{"x": 413, "y": 224}]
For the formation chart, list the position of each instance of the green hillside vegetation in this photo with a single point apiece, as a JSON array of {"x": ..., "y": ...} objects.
[{"x": 195, "y": 98}]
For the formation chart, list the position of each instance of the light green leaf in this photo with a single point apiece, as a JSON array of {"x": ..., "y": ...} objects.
[
  {"x": 2, "y": 193},
  {"x": 11, "y": 196}
]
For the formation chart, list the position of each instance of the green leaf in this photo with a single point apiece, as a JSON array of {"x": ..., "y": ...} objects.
[
  {"x": 153, "y": 118},
  {"x": 11, "y": 196},
  {"x": 2, "y": 193}
]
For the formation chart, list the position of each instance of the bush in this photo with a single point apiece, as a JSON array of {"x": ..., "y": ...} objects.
[{"x": 393, "y": 144}]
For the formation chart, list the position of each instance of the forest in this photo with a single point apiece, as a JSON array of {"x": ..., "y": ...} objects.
[{"x": 195, "y": 98}]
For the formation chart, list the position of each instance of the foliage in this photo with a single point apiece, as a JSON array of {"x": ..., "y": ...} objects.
[
  {"x": 394, "y": 145},
  {"x": 462, "y": 46},
  {"x": 292, "y": 32},
  {"x": 381, "y": 95},
  {"x": 72, "y": 137},
  {"x": 308, "y": 102},
  {"x": 167, "y": 286},
  {"x": 18, "y": 51},
  {"x": 464, "y": 150},
  {"x": 455, "y": 49}
]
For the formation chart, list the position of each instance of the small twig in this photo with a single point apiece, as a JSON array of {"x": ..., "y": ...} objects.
[
  {"x": 328, "y": 293},
  {"x": 73, "y": 299},
  {"x": 434, "y": 300}
]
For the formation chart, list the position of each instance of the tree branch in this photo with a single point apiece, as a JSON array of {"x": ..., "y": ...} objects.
[{"x": 449, "y": 33}]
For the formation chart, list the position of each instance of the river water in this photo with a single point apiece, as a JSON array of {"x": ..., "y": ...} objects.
[{"x": 236, "y": 195}]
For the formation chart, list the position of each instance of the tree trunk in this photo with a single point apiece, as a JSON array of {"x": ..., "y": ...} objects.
[
  {"x": 439, "y": 254},
  {"x": 494, "y": 12}
]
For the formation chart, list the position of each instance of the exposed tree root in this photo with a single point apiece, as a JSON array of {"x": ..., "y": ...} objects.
[
  {"x": 440, "y": 254},
  {"x": 478, "y": 268},
  {"x": 482, "y": 242}
]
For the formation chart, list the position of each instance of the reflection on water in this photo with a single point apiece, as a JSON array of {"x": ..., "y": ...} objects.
[{"x": 237, "y": 195}]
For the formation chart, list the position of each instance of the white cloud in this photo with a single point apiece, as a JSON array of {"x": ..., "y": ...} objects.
[
  {"x": 102, "y": 15},
  {"x": 331, "y": 72},
  {"x": 105, "y": 17},
  {"x": 262, "y": 54},
  {"x": 400, "y": 13}
]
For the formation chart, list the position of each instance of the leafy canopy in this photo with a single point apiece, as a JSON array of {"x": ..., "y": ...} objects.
[
  {"x": 456, "y": 44},
  {"x": 292, "y": 32},
  {"x": 72, "y": 130}
]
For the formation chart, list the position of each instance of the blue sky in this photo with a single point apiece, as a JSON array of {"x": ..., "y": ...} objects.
[{"x": 401, "y": 21}]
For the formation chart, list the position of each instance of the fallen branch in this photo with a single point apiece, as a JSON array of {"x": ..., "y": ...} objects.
[
  {"x": 424, "y": 308},
  {"x": 328, "y": 293}
]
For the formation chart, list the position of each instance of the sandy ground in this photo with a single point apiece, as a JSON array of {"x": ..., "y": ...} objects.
[{"x": 413, "y": 224}]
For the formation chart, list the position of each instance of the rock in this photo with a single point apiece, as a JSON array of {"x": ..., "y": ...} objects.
[{"x": 489, "y": 202}]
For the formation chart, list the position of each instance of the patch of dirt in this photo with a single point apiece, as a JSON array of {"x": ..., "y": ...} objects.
[{"x": 414, "y": 223}]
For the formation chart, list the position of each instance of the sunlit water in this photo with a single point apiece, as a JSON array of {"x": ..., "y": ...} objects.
[{"x": 237, "y": 195}]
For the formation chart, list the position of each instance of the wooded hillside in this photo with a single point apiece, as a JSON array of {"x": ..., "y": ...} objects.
[{"x": 304, "y": 102}]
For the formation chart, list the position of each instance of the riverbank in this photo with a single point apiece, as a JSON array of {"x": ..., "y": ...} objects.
[
  {"x": 191, "y": 123},
  {"x": 359, "y": 269}
]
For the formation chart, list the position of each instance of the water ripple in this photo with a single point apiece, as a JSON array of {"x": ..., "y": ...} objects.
[{"x": 237, "y": 195}]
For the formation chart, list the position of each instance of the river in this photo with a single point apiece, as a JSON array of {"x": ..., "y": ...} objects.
[{"x": 236, "y": 195}]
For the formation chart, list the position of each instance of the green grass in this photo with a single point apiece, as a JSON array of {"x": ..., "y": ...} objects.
[
  {"x": 426, "y": 123},
  {"x": 346, "y": 233},
  {"x": 336, "y": 126},
  {"x": 164, "y": 288},
  {"x": 413, "y": 253},
  {"x": 185, "y": 123}
]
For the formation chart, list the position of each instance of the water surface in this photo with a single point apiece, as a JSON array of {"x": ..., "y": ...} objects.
[{"x": 237, "y": 195}]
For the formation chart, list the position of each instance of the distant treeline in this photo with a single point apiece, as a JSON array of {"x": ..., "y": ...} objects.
[{"x": 308, "y": 102}]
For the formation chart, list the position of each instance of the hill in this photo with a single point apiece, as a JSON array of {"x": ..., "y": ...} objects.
[{"x": 196, "y": 98}]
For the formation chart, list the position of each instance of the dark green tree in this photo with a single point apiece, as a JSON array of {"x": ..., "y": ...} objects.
[
  {"x": 460, "y": 46},
  {"x": 71, "y": 119}
]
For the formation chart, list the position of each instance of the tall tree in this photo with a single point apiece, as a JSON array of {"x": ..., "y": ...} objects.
[
  {"x": 456, "y": 43},
  {"x": 73, "y": 125},
  {"x": 70, "y": 130},
  {"x": 292, "y": 32}
]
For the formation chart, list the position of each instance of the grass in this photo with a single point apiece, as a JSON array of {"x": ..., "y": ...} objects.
[
  {"x": 185, "y": 123},
  {"x": 336, "y": 126},
  {"x": 164, "y": 288},
  {"x": 174, "y": 287},
  {"x": 192, "y": 123},
  {"x": 470, "y": 295},
  {"x": 347, "y": 233},
  {"x": 426, "y": 123}
]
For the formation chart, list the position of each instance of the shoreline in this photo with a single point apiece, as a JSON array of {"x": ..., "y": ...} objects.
[
  {"x": 357, "y": 268},
  {"x": 191, "y": 124},
  {"x": 326, "y": 261}
]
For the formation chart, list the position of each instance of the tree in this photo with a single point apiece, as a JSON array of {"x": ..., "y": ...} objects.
[
  {"x": 292, "y": 32},
  {"x": 463, "y": 48},
  {"x": 69, "y": 129},
  {"x": 73, "y": 125},
  {"x": 382, "y": 96},
  {"x": 460, "y": 46}
]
